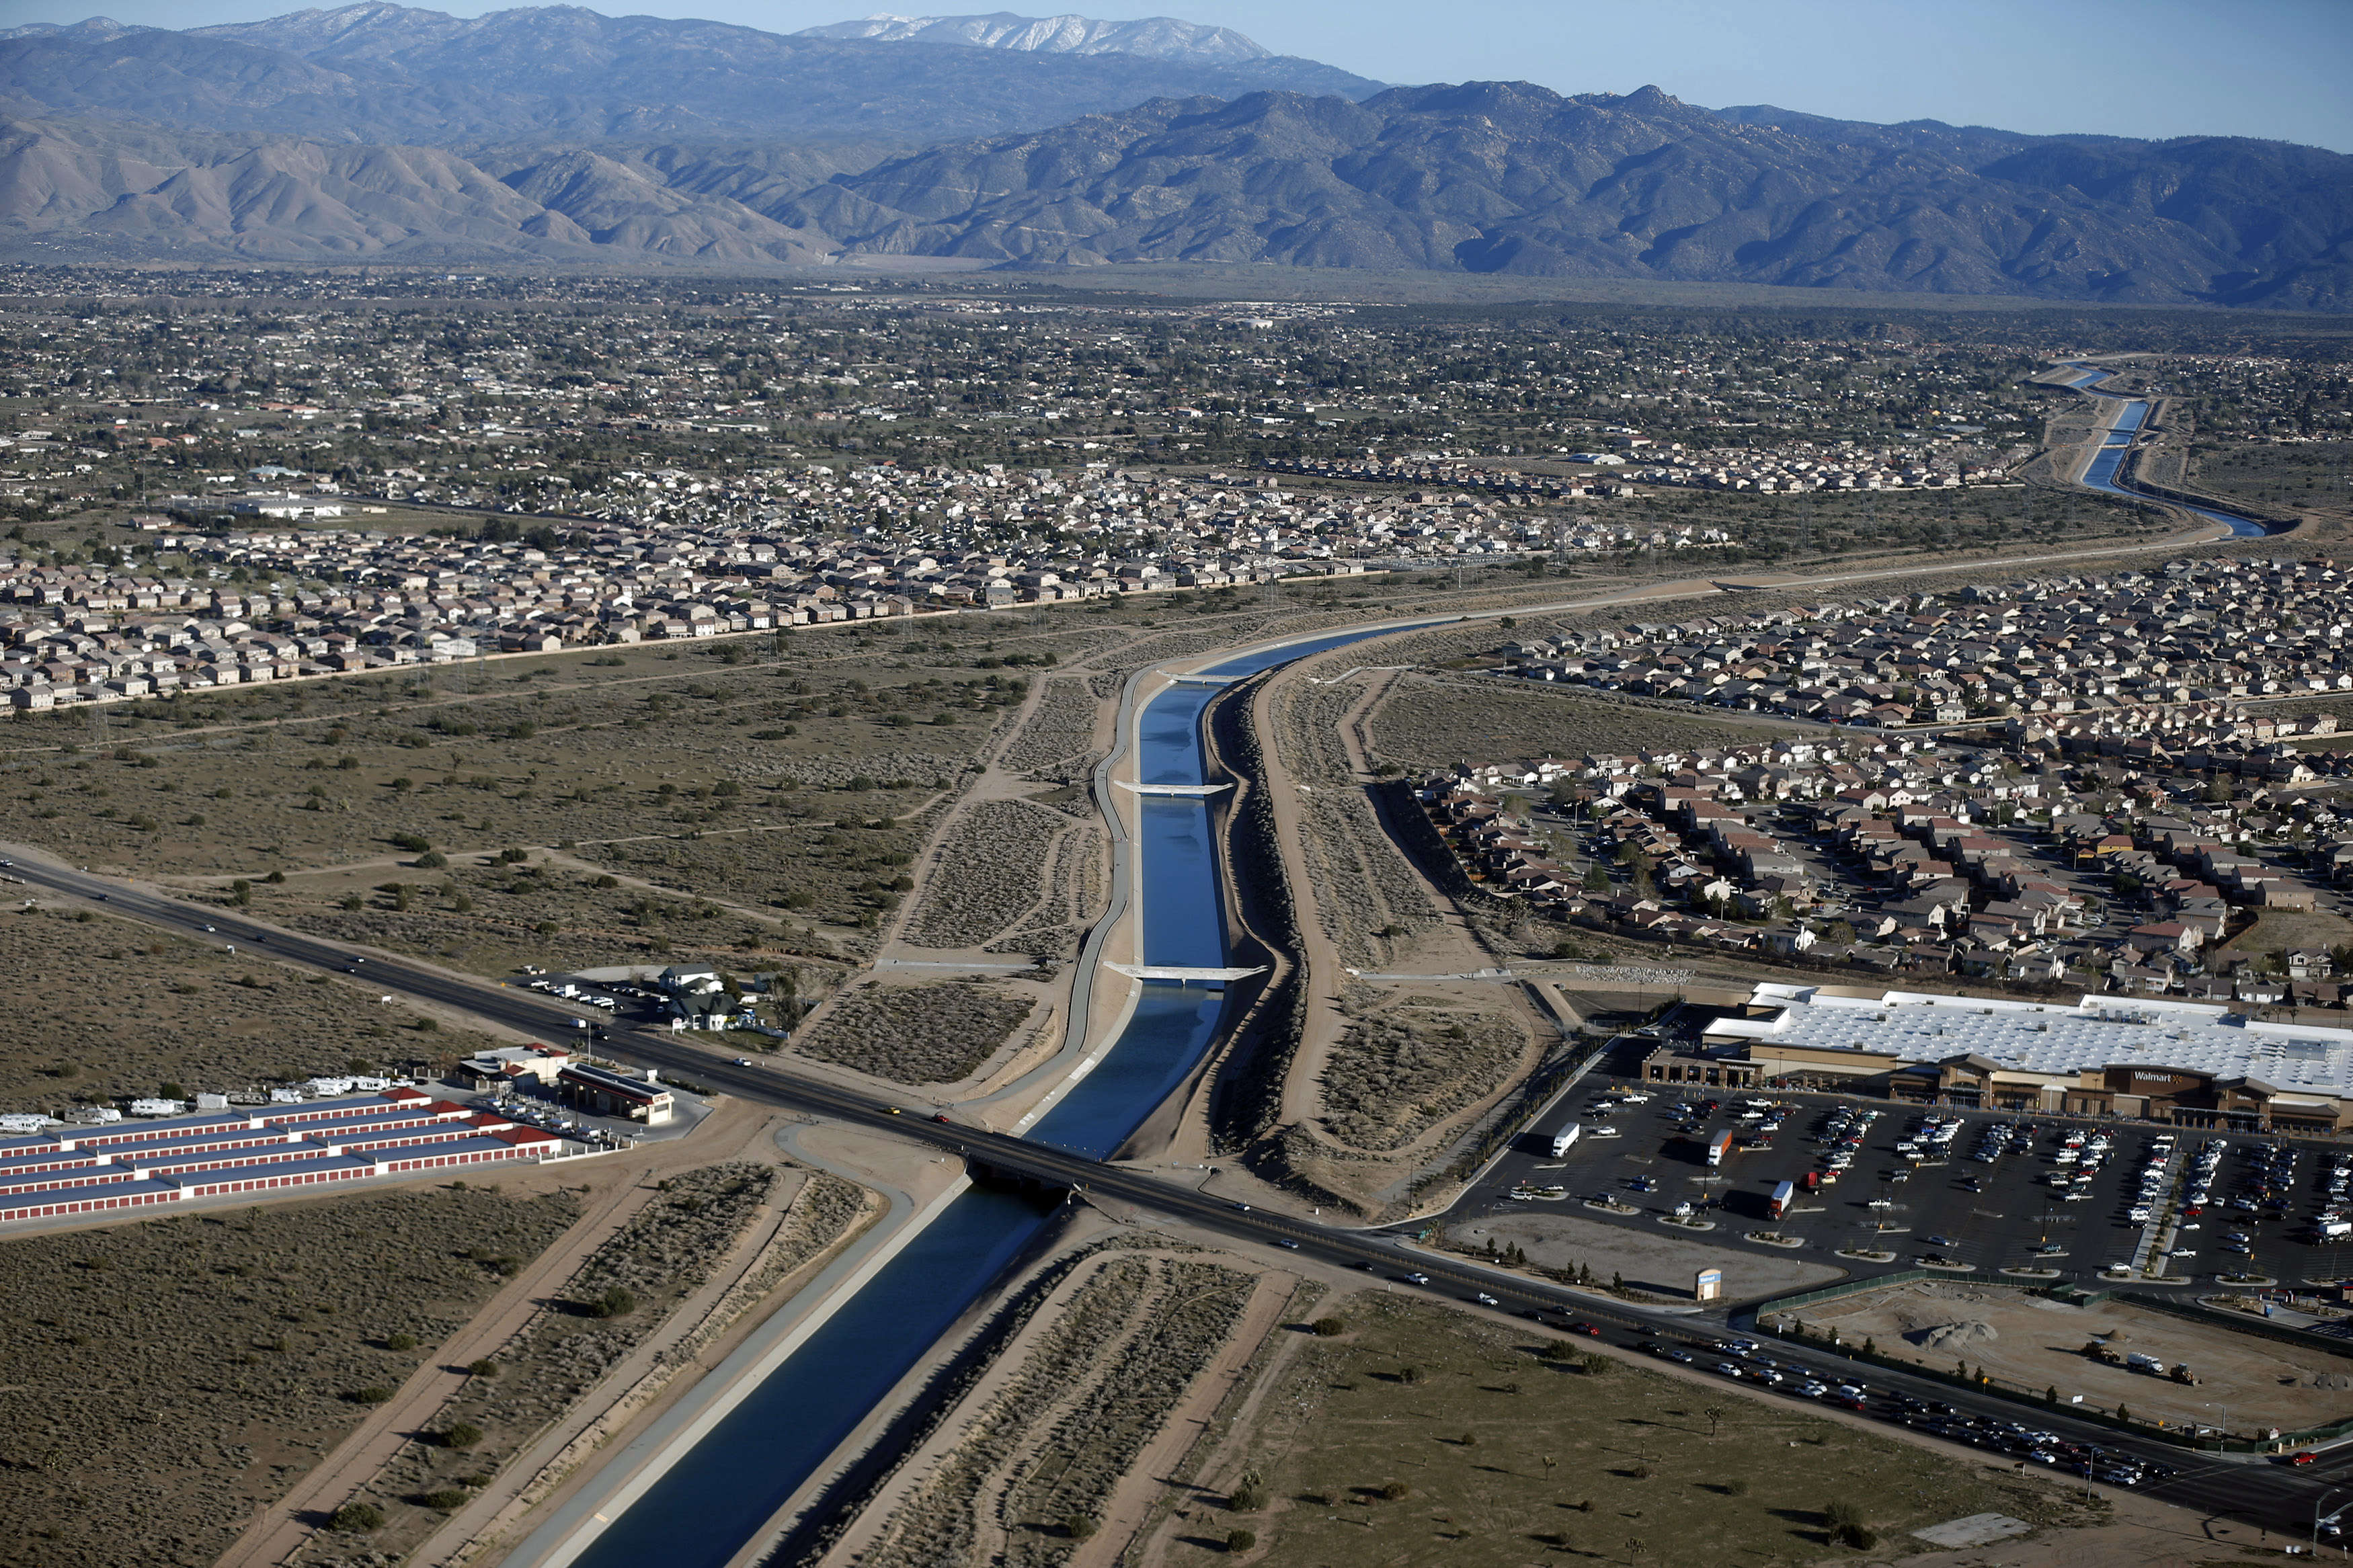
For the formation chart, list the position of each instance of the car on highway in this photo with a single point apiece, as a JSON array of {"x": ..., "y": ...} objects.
[
  {"x": 742, "y": 1061},
  {"x": 1282, "y": 1241},
  {"x": 1582, "y": 1327},
  {"x": 1484, "y": 1300},
  {"x": 1729, "y": 1369},
  {"x": 1417, "y": 1279}
]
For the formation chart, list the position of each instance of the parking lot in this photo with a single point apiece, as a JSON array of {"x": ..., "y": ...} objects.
[
  {"x": 2029, "y": 1442},
  {"x": 1962, "y": 1189}
]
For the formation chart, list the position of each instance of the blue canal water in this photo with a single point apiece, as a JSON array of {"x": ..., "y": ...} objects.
[
  {"x": 704, "y": 1509},
  {"x": 2101, "y": 473}
]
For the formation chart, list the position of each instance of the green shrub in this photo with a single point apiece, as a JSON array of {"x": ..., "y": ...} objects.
[
  {"x": 1239, "y": 1540},
  {"x": 461, "y": 1435},
  {"x": 485, "y": 1367},
  {"x": 1329, "y": 1328},
  {"x": 1847, "y": 1527},
  {"x": 400, "y": 1343},
  {"x": 448, "y": 1499},
  {"x": 1247, "y": 1498},
  {"x": 356, "y": 1518},
  {"x": 617, "y": 1302}
]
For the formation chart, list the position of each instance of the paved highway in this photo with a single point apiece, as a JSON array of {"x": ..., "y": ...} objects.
[{"x": 2275, "y": 1496}]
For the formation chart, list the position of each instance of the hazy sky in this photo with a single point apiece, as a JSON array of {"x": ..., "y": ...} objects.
[{"x": 2272, "y": 68}]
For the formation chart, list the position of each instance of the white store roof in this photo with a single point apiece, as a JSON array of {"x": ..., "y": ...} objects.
[{"x": 2055, "y": 1039}]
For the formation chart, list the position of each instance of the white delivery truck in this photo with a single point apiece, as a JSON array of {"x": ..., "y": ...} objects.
[{"x": 1566, "y": 1139}]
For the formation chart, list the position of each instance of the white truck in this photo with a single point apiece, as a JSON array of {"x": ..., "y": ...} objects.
[{"x": 1566, "y": 1139}]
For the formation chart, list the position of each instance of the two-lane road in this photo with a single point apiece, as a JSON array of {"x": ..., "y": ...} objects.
[{"x": 2275, "y": 1496}]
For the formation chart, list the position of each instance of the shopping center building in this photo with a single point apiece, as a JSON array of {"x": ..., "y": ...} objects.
[{"x": 2192, "y": 1063}]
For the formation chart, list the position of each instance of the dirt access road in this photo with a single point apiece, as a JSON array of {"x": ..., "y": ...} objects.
[{"x": 621, "y": 1184}]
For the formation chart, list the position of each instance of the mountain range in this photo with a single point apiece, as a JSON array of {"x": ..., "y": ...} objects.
[
  {"x": 377, "y": 131},
  {"x": 377, "y": 72},
  {"x": 1157, "y": 38}
]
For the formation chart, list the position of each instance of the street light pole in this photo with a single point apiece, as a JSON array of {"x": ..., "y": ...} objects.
[{"x": 2225, "y": 1409}]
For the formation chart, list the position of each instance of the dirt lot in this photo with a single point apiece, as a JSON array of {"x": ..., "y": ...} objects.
[
  {"x": 729, "y": 776},
  {"x": 1438, "y": 721},
  {"x": 917, "y": 1033},
  {"x": 2040, "y": 1344},
  {"x": 144, "y": 1010},
  {"x": 1112, "y": 1345},
  {"x": 164, "y": 1377},
  {"x": 1406, "y": 1063},
  {"x": 2307, "y": 474},
  {"x": 988, "y": 879},
  {"x": 1422, "y": 1434},
  {"x": 2284, "y": 930},
  {"x": 1656, "y": 1261}
]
